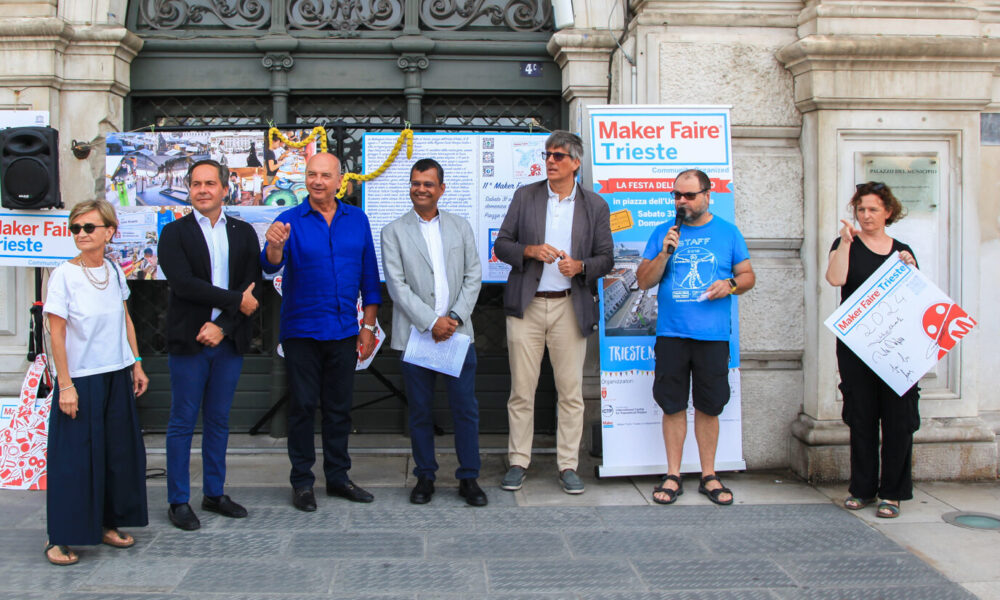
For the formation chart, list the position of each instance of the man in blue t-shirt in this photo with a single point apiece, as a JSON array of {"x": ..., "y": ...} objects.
[{"x": 697, "y": 265}]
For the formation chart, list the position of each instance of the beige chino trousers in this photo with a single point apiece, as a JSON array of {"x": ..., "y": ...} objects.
[{"x": 552, "y": 323}]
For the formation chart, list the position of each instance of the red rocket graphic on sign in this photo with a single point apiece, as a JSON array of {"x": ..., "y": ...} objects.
[{"x": 946, "y": 324}]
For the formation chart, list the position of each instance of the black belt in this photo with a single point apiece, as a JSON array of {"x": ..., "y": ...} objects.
[{"x": 551, "y": 295}]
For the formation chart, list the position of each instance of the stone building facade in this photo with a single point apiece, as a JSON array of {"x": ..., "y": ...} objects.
[{"x": 817, "y": 88}]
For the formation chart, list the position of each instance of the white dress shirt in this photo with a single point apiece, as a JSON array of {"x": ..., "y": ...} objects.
[
  {"x": 431, "y": 230},
  {"x": 218, "y": 251},
  {"x": 559, "y": 235}
]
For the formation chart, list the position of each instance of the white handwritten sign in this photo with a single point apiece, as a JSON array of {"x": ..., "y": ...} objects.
[{"x": 899, "y": 323}]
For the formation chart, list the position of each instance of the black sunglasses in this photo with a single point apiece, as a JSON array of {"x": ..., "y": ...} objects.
[
  {"x": 873, "y": 186},
  {"x": 689, "y": 196},
  {"x": 76, "y": 228},
  {"x": 559, "y": 156}
]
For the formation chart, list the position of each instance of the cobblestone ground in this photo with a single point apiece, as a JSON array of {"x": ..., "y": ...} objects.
[{"x": 449, "y": 551}]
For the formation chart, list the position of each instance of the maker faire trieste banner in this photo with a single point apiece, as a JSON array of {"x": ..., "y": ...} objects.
[{"x": 635, "y": 153}]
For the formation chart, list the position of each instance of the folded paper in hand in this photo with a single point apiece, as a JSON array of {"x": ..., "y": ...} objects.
[{"x": 444, "y": 357}]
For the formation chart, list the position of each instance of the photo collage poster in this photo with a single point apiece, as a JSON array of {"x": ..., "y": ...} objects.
[{"x": 145, "y": 174}]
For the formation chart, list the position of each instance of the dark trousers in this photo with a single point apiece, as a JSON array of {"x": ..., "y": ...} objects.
[
  {"x": 868, "y": 405},
  {"x": 206, "y": 381},
  {"x": 319, "y": 372},
  {"x": 464, "y": 413},
  {"x": 96, "y": 462}
]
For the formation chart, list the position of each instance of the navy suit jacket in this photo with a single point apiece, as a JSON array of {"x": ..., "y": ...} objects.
[{"x": 184, "y": 258}]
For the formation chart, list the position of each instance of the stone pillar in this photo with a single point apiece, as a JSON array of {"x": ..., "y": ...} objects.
[
  {"x": 279, "y": 64},
  {"x": 905, "y": 72},
  {"x": 583, "y": 52},
  {"x": 277, "y": 50},
  {"x": 72, "y": 59},
  {"x": 413, "y": 49},
  {"x": 412, "y": 65}
]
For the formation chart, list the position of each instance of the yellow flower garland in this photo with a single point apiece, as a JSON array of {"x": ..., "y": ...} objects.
[
  {"x": 318, "y": 133},
  {"x": 406, "y": 134}
]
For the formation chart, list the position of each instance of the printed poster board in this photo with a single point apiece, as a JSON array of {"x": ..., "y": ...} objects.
[
  {"x": 481, "y": 173},
  {"x": 899, "y": 323}
]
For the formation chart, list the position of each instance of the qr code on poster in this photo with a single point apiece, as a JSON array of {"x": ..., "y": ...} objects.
[
  {"x": 487, "y": 143},
  {"x": 487, "y": 157},
  {"x": 487, "y": 170}
]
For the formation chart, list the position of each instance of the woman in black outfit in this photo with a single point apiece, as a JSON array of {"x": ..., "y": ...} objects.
[{"x": 854, "y": 257}]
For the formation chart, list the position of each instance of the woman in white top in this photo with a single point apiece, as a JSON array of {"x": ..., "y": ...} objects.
[{"x": 96, "y": 457}]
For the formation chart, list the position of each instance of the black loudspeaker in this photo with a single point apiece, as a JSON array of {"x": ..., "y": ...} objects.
[{"x": 29, "y": 168}]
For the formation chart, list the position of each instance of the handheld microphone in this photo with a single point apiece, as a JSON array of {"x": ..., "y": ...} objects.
[{"x": 677, "y": 223}]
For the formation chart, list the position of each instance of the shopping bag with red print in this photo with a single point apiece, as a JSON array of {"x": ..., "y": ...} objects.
[{"x": 24, "y": 436}]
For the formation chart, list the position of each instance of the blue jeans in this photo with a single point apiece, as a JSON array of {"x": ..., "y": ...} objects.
[
  {"x": 464, "y": 413},
  {"x": 207, "y": 381}
]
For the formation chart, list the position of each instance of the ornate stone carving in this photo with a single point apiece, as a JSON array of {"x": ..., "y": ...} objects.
[
  {"x": 217, "y": 14},
  {"x": 518, "y": 15},
  {"x": 277, "y": 61},
  {"x": 345, "y": 16},
  {"x": 413, "y": 62}
]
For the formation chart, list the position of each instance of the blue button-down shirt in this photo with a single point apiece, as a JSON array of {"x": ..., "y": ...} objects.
[{"x": 325, "y": 268}]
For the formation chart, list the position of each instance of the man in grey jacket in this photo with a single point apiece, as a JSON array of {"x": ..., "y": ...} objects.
[
  {"x": 434, "y": 275},
  {"x": 557, "y": 239}
]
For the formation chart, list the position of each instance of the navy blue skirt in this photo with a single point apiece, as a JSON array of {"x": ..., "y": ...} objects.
[{"x": 96, "y": 462}]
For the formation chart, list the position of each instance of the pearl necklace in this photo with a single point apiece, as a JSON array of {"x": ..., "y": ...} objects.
[{"x": 94, "y": 281}]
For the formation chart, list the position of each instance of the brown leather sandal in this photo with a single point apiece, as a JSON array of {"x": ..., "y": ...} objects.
[
  {"x": 68, "y": 556},
  {"x": 117, "y": 539}
]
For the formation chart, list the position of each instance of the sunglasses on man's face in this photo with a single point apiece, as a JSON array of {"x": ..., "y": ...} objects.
[
  {"x": 689, "y": 196},
  {"x": 873, "y": 186},
  {"x": 557, "y": 156},
  {"x": 76, "y": 228}
]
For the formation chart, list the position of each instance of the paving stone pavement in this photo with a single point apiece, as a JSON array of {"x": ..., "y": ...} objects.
[{"x": 447, "y": 550}]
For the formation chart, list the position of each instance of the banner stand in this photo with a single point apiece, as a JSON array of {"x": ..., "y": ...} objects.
[{"x": 635, "y": 152}]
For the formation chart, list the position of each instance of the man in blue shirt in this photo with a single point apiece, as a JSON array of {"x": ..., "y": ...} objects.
[
  {"x": 328, "y": 255},
  {"x": 697, "y": 265}
]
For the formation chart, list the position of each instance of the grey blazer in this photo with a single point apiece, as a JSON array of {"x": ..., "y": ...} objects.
[
  {"x": 524, "y": 225},
  {"x": 406, "y": 264}
]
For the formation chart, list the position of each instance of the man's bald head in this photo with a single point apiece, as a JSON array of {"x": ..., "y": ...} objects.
[
  {"x": 329, "y": 162},
  {"x": 323, "y": 177}
]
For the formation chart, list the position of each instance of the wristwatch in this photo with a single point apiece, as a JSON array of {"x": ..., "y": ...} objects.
[
  {"x": 371, "y": 328},
  {"x": 732, "y": 285},
  {"x": 454, "y": 315}
]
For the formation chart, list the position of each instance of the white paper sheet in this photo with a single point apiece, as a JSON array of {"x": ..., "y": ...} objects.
[{"x": 444, "y": 357}]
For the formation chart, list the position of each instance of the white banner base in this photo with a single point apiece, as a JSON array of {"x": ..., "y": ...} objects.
[{"x": 638, "y": 470}]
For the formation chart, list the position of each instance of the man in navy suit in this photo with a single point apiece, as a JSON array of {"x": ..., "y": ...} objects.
[{"x": 210, "y": 261}]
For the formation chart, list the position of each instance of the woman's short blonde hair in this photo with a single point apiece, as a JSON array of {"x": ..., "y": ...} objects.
[{"x": 102, "y": 207}]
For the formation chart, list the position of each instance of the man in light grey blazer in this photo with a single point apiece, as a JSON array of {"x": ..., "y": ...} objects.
[
  {"x": 556, "y": 237},
  {"x": 434, "y": 274}
]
